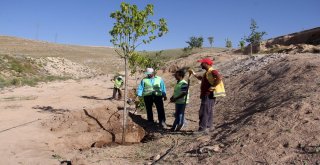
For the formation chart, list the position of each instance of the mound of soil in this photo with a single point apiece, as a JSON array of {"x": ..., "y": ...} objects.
[
  {"x": 273, "y": 112},
  {"x": 97, "y": 127},
  {"x": 270, "y": 115}
]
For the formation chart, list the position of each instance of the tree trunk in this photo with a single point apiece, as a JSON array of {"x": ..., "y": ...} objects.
[
  {"x": 251, "y": 49},
  {"x": 125, "y": 114}
]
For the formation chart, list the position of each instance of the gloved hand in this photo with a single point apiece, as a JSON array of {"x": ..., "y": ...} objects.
[
  {"x": 165, "y": 98},
  {"x": 172, "y": 99},
  {"x": 191, "y": 71}
]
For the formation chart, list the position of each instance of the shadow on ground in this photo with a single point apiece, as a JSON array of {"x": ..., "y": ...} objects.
[
  {"x": 50, "y": 109},
  {"x": 95, "y": 98}
]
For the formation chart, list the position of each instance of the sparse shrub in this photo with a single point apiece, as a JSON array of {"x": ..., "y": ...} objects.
[
  {"x": 141, "y": 105},
  {"x": 29, "y": 81},
  {"x": 242, "y": 45},
  {"x": 3, "y": 82},
  {"x": 15, "y": 81},
  {"x": 228, "y": 43},
  {"x": 186, "y": 52},
  {"x": 16, "y": 66},
  {"x": 195, "y": 42}
]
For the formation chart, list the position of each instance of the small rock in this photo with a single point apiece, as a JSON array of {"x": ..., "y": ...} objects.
[
  {"x": 155, "y": 158},
  {"x": 206, "y": 149}
]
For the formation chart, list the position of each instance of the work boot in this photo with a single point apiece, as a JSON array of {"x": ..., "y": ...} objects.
[
  {"x": 179, "y": 127},
  {"x": 201, "y": 132},
  {"x": 163, "y": 125},
  {"x": 174, "y": 128}
]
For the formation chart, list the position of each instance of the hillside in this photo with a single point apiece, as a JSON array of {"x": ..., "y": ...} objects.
[
  {"x": 94, "y": 57},
  {"x": 27, "y": 62},
  {"x": 270, "y": 116}
]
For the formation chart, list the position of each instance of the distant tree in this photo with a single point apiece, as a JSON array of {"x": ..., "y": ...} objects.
[
  {"x": 255, "y": 37},
  {"x": 133, "y": 27},
  {"x": 242, "y": 43},
  {"x": 210, "y": 39},
  {"x": 195, "y": 42},
  {"x": 228, "y": 43}
]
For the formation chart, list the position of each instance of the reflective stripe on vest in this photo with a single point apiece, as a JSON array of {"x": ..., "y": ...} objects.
[
  {"x": 150, "y": 89},
  {"x": 177, "y": 92},
  {"x": 218, "y": 91}
]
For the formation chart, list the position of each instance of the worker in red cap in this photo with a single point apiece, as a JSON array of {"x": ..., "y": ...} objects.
[{"x": 211, "y": 88}]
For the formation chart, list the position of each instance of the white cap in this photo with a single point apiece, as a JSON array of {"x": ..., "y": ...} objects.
[{"x": 149, "y": 71}]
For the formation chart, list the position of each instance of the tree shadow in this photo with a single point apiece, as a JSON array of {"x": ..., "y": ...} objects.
[
  {"x": 95, "y": 98},
  {"x": 101, "y": 126},
  {"x": 50, "y": 109},
  {"x": 258, "y": 105},
  {"x": 152, "y": 127},
  {"x": 145, "y": 124}
]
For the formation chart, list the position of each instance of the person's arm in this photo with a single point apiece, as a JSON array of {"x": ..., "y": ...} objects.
[
  {"x": 184, "y": 89},
  {"x": 199, "y": 77},
  {"x": 163, "y": 89},
  {"x": 140, "y": 88}
]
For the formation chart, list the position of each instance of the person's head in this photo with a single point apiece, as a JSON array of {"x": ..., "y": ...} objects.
[
  {"x": 149, "y": 72},
  {"x": 206, "y": 63},
  {"x": 119, "y": 78},
  {"x": 179, "y": 75}
]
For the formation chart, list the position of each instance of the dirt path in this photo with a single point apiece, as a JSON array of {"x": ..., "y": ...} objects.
[{"x": 22, "y": 110}]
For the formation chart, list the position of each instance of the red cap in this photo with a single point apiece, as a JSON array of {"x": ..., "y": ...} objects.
[{"x": 206, "y": 60}]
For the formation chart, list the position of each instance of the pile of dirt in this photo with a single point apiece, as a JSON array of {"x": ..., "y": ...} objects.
[
  {"x": 99, "y": 127},
  {"x": 270, "y": 116}
]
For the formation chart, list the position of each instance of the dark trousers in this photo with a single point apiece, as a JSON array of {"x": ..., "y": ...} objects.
[
  {"x": 206, "y": 113},
  {"x": 157, "y": 100},
  {"x": 115, "y": 91}
]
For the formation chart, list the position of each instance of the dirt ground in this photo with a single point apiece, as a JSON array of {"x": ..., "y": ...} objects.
[
  {"x": 25, "y": 110},
  {"x": 270, "y": 116}
]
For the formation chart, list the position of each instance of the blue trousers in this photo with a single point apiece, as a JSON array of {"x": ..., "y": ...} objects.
[{"x": 179, "y": 115}]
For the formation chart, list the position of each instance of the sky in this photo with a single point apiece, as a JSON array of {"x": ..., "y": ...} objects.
[{"x": 88, "y": 22}]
